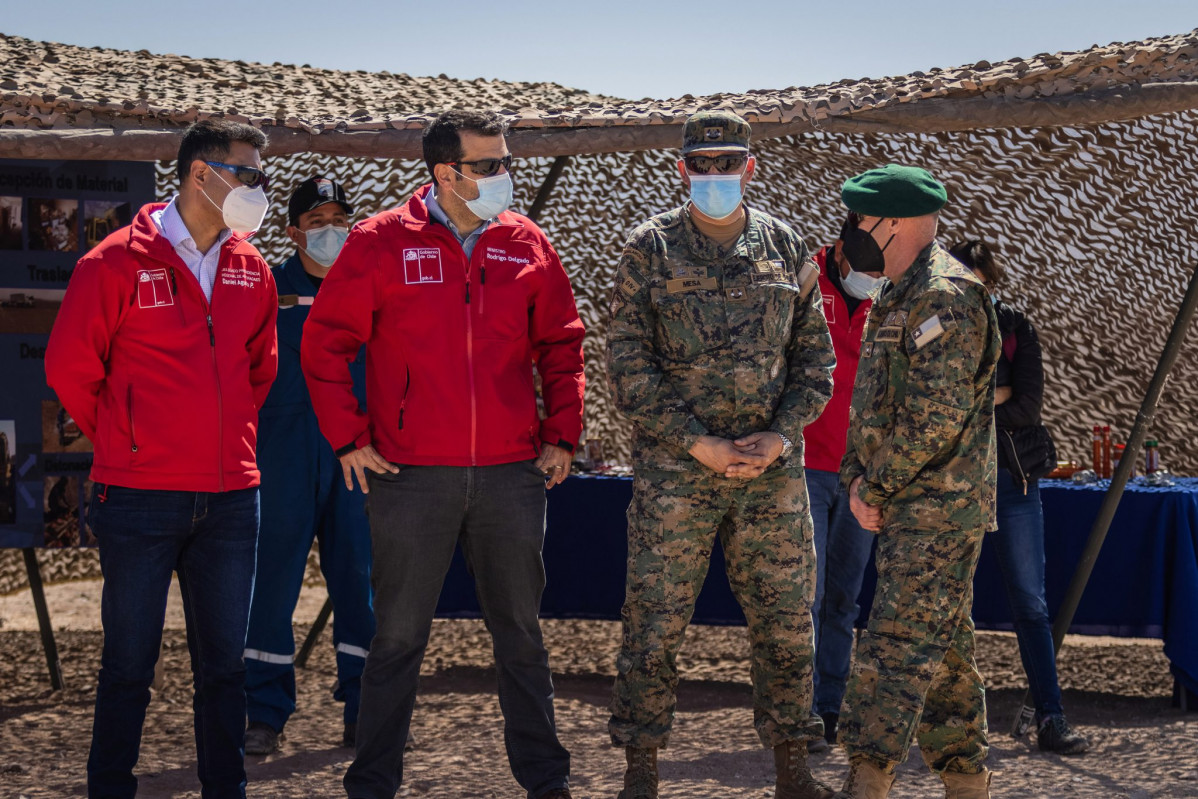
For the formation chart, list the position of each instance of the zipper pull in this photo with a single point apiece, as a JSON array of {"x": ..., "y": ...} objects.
[
  {"x": 211, "y": 334},
  {"x": 174, "y": 284},
  {"x": 467, "y": 292},
  {"x": 482, "y": 275}
]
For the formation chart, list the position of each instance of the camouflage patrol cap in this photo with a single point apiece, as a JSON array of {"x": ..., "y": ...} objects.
[
  {"x": 894, "y": 192},
  {"x": 715, "y": 130}
]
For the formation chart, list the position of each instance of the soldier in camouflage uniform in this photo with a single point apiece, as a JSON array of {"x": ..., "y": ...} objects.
[
  {"x": 719, "y": 354},
  {"x": 920, "y": 470}
]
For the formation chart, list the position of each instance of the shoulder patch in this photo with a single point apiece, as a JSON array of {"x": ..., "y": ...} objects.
[
  {"x": 927, "y": 331},
  {"x": 629, "y": 286},
  {"x": 808, "y": 277}
]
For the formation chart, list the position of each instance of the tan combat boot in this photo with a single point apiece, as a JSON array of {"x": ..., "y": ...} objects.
[
  {"x": 640, "y": 778},
  {"x": 867, "y": 780},
  {"x": 794, "y": 778},
  {"x": 966, "y": 786}
]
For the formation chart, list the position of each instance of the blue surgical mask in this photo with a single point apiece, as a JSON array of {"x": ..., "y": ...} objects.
[
  {"x": 993, "y": 299},
  {"x": 859, "y": 285},
  {"x": 494, "y": 196},
  {"x": 324, "y": 243},
  {"x": 717, "y": 196}
]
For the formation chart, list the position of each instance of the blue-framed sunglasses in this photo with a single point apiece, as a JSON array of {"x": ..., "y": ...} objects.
[{"x": 248, "y": 175}]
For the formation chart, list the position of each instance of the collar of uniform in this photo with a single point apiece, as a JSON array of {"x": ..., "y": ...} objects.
[
  {"x": 297, "y": 276},
  {"x": 703, "y": 248}
]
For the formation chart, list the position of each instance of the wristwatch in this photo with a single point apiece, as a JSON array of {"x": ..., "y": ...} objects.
[{"x": 787, "y": 444}]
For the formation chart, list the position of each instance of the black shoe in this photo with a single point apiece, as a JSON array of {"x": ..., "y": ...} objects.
[
  {"x": 831, "y": 724},
  {"x": 261, "y": 739},
  {"x": 817, "y": 745},
  {"x": 1055, "y": 735}
]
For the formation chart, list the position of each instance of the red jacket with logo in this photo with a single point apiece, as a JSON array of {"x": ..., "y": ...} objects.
[
  {"x": 825, "y": 439},
  {"x": 165, "y": 384},
  {"x": 450, "y": 342}
]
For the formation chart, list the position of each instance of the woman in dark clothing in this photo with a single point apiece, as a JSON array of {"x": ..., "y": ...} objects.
[{"x": 1025, "y": 454}]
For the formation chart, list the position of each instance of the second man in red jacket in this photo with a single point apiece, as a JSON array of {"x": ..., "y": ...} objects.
[{"x": 455, "y": 298}]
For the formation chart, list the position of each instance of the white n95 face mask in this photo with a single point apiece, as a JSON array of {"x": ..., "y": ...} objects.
[
  {"x": 324, "y": 243},
  {"x": 244, "y": 208}
]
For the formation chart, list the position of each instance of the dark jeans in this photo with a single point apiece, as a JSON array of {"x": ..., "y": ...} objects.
[
  {"x": 210, "y": 540},
  {"x": 1019, "y": 547},
  {"x": 417, "y": 517},
  {"x": 842, "y": 551}
]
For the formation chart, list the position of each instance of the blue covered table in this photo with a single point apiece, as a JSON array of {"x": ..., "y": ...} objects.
[{"x": 1145, "y": 581}]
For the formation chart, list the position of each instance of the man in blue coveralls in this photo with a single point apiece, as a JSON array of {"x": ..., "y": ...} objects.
[{"x": 304, "y": 495}]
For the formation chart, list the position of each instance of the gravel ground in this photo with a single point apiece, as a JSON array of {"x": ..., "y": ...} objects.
[{"x": 1116, "y": 690}]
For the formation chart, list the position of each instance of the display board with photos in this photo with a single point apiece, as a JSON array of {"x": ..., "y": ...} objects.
[{"x": 51, "y": 213}]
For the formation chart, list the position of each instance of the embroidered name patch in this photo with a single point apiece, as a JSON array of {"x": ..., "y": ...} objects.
[
  {"x": 153, "y": 289},
  {"x": 889, "y": 334},
  {"x": 681, "y": 284},
  {"x": 422, "y": 265}
]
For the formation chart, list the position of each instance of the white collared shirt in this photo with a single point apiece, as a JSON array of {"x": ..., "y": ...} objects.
[{"x": 201, "y": 264}]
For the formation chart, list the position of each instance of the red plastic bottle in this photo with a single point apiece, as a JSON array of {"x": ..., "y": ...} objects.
[
  {"x": 1097, "y": 451},
  {"x": 1106, "y": 452}
]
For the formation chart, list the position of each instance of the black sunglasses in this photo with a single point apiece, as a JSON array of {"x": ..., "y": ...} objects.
[
  {"x": 248, "y": 175},
  {"x": 702, "y": 164},
  {"x": 487, "y": 167}
]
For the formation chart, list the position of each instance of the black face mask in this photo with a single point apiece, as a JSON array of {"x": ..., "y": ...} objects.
[{"x": 859, "y": 247}]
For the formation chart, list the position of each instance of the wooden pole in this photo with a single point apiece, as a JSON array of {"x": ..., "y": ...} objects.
[
  {"x": 1114, "y": 492},
  {"x": 322, "y": 619},
  {"x": 34, "y": 573},
  {"x": 555, "y": 172},
  {"x": 116, "y": 140}
]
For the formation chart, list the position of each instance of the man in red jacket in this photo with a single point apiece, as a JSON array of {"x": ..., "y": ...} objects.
[
  {"x": 455, "y": 298},
  {"x": 163, "y": 351},
  {"x": 842, "y": 547}
]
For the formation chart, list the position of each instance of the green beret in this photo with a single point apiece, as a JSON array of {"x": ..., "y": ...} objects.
[{"x": 894, "y": 192}]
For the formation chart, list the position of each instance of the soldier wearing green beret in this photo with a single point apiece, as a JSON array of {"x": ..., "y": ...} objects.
[
  {"x": 719, "y": 354},
  {"x": 920, "y": 471}
]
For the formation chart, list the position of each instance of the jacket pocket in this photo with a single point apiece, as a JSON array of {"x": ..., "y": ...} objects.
[
  {"x": 690, "y": 323},
  {"x": 132, "y": 425},
  {"x": 403, "y": 400}
]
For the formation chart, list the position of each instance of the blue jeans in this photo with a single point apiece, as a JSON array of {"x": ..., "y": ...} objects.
[
  {"x": 417, "y": 518},
  {"x": 842, "y": 551},
  {"x": 1019, "y": 548},
  {"x": 210, "y": 540}
]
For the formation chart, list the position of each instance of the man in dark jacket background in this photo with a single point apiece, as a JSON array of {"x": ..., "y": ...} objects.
[{"x": 304, "y": 496}]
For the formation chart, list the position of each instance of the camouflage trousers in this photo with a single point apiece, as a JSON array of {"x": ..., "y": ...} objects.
[
  {"x": 765, "y": 530},
  {"x": 914, "y": 673}
]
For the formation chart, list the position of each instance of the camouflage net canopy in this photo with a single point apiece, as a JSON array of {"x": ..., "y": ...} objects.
[
  {"x": 1094, "y": 224},
  {"x": 1080, "y": 168}
]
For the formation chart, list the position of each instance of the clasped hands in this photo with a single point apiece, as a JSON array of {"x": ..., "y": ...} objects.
[{"x": 743, "y": 458}]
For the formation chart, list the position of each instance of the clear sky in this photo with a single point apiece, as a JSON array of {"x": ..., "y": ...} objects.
[{"x": 622, "y": 48}]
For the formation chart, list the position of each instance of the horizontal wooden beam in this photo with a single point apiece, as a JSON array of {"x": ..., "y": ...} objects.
[{"x": 923, "y": 116}]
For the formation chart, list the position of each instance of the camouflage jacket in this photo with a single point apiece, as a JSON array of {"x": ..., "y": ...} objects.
[
  {"x": 702, "y": 342},
  {"x": 921, "y": 427}
]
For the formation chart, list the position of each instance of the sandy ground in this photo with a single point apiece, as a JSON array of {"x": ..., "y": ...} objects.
[{"x": 1117, "y": 691}]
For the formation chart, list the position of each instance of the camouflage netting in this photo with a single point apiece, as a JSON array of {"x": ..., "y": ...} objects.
[{"x": 1095, "y": 225}]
